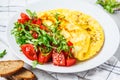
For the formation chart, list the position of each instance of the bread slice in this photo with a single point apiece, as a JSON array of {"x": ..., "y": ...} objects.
[
  {"x": 23, "y": 74},
  {"x": 10, "y": 67}
]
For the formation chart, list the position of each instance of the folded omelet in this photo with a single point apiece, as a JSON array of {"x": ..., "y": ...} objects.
[{"x": 82, "y": 30}]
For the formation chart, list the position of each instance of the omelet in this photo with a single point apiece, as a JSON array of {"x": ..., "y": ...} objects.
[{"x": 82, "y": 30}]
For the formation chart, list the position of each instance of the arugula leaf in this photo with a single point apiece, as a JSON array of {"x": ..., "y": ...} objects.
[
  {"x": 21, "y": 35},
  {"x": 34, "y": 64},
  {"x": 3, "y": 53},
  {"x": 57, "y": 19},
  {"x": 31, "y": 14}
]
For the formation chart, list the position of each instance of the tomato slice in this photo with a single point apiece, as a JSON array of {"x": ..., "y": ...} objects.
[
  {"x": 29, "y": 51},
  {"x": 34, "y": 21},
  {"x": 58, "y": 59},
  {"x": 35, "y": 35},
  {"x": 44, "y": 58},
  {"x": 43, "y": 27},
  {"x": 70, "y": 43},
  {"x": 24, "y": 16},
  {"x": 22, "y": 21},
  {"x": 66, "y": 54},
  {"x": 70, "y": 61},
  {"x": 38, "y": 22}
]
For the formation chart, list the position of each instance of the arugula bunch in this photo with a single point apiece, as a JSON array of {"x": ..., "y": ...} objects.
[
  {"x": 47, "y": 40},
  {"x": 109, "y": 5}
]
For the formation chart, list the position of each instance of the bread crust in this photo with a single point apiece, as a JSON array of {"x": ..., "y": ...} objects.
[
  {"x": 19, "y": 73},
  {"x": 22, "y": 75},
  {"x": 8, "y": 63}
]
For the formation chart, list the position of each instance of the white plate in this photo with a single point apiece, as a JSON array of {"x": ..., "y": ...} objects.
[{"x": 110, "y": 28}]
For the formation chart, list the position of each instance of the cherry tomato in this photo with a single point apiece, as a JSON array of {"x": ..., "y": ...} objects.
[
  {"x": 70, "y": 43},
  {"x": 58, "y": 59},
  {"x": 22, "y": 21},
  {"x": 24, "y": 16},
  {"x": 38, "y": 22},
  {"x": 44, "y": 58},
  {"x": 70, "y": 61},
  {"x": 29, "y": 51},
  {"x": 34, "y": 21},
  {"x": 43, "y": 27},
  {"x": 35, "y": 35}
]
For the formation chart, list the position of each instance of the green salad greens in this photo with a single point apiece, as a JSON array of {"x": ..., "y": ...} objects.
[
  {"x": 50, "y": 38},
  {"x": 41, "y": 42},
  {"x": 109, "y": 5}
]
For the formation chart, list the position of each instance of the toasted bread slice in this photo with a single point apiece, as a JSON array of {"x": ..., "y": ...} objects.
[
  {"x": 10, "y": 67},
  {"x": 23, "y": 74}
]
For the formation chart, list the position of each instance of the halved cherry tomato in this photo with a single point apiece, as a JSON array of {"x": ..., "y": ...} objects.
[
  {"x": 58, "y": 59},
  {"x": 29, "y": 51},
  {"x": 38, "y": 22},
  {"x": 43, "y": 58},
  {"x": 35, "y": 35},
  {"x": 24, "y": 16},
  {"x": 43, "y": 27},
  {"x": 34, "y": 21},
  {"x": 22, "y": 21},
  {"x": 70, "y": 61},
  {"x": 70, "y": 43}
]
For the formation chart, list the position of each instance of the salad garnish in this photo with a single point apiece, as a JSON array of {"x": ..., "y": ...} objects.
[
  {"x": 3, "y": 53},
  {"x": 42, "y": 43},
  {"x": 109, "y": 5}
]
